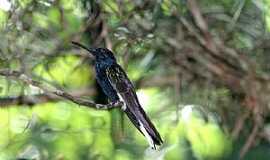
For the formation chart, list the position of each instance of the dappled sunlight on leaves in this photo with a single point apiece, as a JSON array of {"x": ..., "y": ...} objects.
[{"x": 197, "y": 69}]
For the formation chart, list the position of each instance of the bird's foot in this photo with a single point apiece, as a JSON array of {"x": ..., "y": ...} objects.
[{"x": 116, "y": 103}]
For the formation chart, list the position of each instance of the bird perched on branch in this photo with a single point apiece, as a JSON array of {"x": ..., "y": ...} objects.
[{"x": 117, "y": 86}]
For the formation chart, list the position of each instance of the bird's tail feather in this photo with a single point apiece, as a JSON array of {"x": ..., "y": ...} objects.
[{"x": 139, "y": 118}]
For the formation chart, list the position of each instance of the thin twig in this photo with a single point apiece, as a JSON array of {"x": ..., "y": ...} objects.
[
  {"x": 30, "y": 100},
  {"x": 12, "y": 74},
  {"x": 239, "y": 125},
  {"x": 250, "y": 141},
  {"x": 218, "y": 50}
]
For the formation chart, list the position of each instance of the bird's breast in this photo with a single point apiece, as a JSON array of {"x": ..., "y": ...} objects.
[{"x": 101, "y": 67}]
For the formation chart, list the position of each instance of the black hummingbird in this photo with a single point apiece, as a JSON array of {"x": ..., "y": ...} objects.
[{"x": 117, "y": 86}]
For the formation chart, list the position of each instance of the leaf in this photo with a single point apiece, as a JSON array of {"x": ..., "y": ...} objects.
[{"x": 31, "y": 152}]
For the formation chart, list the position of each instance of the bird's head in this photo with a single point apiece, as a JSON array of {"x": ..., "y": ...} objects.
[{"x": 100, "y": 54}]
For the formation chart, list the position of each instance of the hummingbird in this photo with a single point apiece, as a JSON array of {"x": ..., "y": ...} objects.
[{"x": 118, "y": 88}]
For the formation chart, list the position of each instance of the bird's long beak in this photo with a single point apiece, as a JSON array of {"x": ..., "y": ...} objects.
[{"x": 91, "y": 50}]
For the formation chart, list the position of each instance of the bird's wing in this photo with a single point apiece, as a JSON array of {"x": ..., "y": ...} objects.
[{"x": 132, "y": 108}]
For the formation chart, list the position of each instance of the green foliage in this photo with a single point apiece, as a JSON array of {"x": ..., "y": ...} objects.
[
  {"x": 67, "y": 71},
  {"x": 36, "y": 36},
  {"x": 3, "y": 18},
  {"x": 66, "y": 130}
]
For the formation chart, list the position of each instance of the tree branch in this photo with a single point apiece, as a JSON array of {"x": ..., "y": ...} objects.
[
  {"x": 12, "y": 74},
  {"x": 31, "y": 100}
]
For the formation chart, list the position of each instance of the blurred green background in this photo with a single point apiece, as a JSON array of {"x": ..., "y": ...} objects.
[{"x": 197, "y": 113}]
